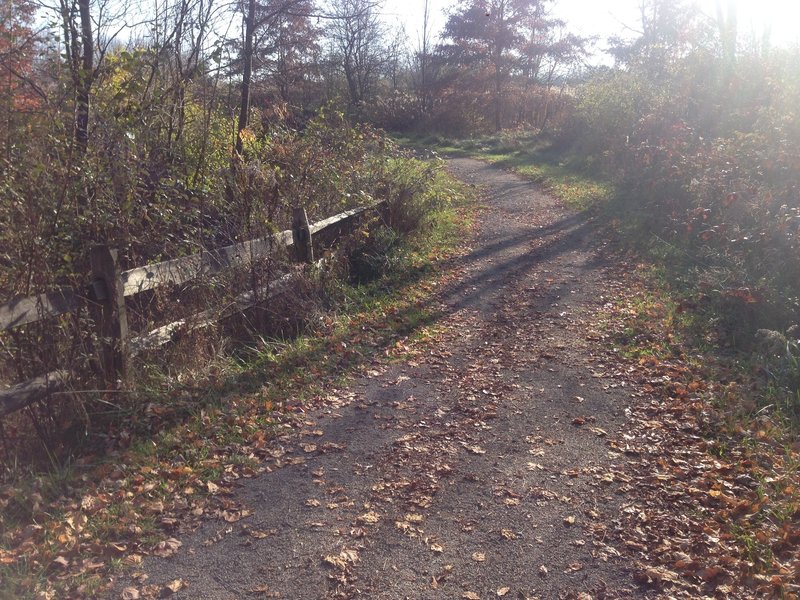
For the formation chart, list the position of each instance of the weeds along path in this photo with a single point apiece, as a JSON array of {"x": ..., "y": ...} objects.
[{"x": 478, "y": 467}]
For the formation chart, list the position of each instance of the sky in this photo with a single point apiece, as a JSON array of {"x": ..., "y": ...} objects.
[{"x": 605, "y": 18}]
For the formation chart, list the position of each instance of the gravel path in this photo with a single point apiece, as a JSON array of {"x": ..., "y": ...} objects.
[{"x": 478, "y": 469}]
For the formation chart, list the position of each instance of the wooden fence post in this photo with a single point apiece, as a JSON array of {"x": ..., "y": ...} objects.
[
  {"x": 109, "y": 313},
  {"x": 301, "y": 234}
]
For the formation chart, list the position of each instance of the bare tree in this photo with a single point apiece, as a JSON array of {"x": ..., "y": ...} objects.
[{"x": 356, "y": 35}]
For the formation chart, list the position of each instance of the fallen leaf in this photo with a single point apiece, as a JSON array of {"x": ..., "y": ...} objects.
[
  {"x": 543, "y": 571},
  {"x": 130, "y": 593},
  {"x": 478, "y": 556},
  {"x": 312, "y": 502},
  {"x": 476, "y": 450},
  {"x": 342, "y": 560},
  {"x": 573, "y": 567},
  {"x": 570, "y": 520},
  {"x": 470, "y": 596},
  {"x": 260, "y": 534},
  {"x": 503, "y": 591},
  {"x": 175, "y": 586},
  {"x": 231, "y": 516},
  {"x": 369, "y": 518},
  {"x": 166, "y": 547},
  {"x": 436, "y": 548},
  {"x": 508, "y": 534}
]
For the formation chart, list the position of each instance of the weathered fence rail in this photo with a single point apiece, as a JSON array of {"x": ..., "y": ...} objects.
[{"x": 105, "y": 298}]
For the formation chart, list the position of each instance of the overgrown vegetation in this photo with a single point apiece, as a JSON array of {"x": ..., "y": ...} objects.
[{"x": 182, "y": 434}]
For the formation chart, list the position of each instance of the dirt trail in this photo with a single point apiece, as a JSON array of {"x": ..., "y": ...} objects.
[{"x": 478, "y": 469}]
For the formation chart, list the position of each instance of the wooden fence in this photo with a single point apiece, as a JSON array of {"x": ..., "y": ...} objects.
[{"x": 105, "y": 298}]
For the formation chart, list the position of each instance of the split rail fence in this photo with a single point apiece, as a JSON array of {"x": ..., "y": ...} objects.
[{"x": 109, "y": 287}]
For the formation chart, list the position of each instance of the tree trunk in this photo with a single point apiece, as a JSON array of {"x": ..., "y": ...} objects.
[
  {"x": 247, "y": 72},
  {"x": 84, "y": 78}
]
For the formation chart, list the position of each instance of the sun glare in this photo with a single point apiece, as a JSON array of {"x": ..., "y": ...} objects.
[{"x": 776, "y": 19}]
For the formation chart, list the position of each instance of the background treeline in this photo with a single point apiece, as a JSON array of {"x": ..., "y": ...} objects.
[{"x": 133, "y": 123}]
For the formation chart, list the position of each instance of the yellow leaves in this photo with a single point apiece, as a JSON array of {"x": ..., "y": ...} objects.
[
  {"x": 570, "y": 520},
  {"x": 438, "y": 548},
  {"x": 478, "y": 556},
  {"x": 312, "y": 502}
]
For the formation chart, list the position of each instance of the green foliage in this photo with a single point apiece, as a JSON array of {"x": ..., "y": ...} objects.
[{"x": 702, "y": 149}]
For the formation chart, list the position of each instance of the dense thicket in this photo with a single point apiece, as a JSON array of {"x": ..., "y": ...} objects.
[{"x": 699, "y": 129}]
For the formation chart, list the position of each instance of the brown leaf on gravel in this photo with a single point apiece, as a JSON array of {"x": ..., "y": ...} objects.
[
  {"x": 231, "y": 516},
  {"x": 342, "y": 560},
  {"x": 470, "y": 596},
  {"x": 476, "y": 450},
  {"x": 174, "y": 586},
  {"x": 130, "y": 593},
  {"x": 369, "y": 518},
  {"x": 503, "y": 591},
  {"x": 166, "y": 547},
  {"x": 260, "y": 534},
  {"x": 478, "y": 556},
  {"x": 573, "y": 567},
  {"x": 507, "y": 534},
  {"x": 655, "y": 575},
  {"x": 542, "y": 571}
]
